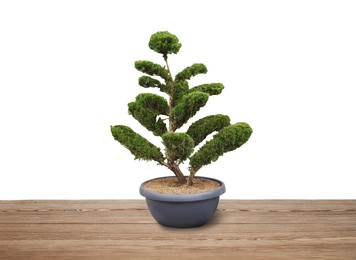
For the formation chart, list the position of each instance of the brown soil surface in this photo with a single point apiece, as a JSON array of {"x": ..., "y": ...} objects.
[{"x": 171, "y": 186}]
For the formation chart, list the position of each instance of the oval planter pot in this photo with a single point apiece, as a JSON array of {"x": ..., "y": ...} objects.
[{"x": 183, "y": 211}]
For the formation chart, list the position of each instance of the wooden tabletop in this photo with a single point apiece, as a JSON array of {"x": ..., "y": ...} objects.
[{"x": 124, "y": 229}]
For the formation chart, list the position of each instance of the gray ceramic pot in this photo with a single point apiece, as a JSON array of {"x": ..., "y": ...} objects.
[{"x": 183, "y": 211}]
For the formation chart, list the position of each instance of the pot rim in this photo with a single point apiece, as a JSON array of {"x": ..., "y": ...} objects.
[{"x": 182, "y": 197}]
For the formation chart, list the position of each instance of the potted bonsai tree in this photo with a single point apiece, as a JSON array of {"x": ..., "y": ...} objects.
[{"x": 164, "y": 116}]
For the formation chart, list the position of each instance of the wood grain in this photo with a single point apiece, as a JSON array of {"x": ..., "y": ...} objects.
[{"x": 124, "y": 229}]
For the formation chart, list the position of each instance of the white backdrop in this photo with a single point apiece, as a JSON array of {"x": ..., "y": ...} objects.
[{"x": 67, "y": 74}]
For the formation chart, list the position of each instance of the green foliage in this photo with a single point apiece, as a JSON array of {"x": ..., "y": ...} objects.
[
  {"x": 211, "y": 89},
  {"x": 195, "y": 69},
  {"x": 228, "y": 139},
  {"x": 178, "y": 146},
  {"x": 153, "y": 102},
  {"x": 147, "y": 118},
  {"x": 180, "y": 89},
  {"x": 164, "y": 43},
  {"x": 200, "y": 129},
  {"x": 152, "y": 69},
  {"x": 148, "y": 82},
  {"x": 146, "y": 108},
  {"x": 136, "y": 144},
  {"x": 187, "y": 107},
  {"x": 183, "y": 104}
]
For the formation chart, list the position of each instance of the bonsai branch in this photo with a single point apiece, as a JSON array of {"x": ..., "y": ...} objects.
[
  {"x": 170, "y": 83},
  {"x": 176, "y": 170},
  {"x": 191, "y": 176}
]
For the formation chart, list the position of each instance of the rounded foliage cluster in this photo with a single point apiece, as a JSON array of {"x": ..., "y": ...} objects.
[
  {"x": 188, "y": 107},
  {"x": 178, "y": 146},
  {"x": 195, "y": 69},
  {"x": 140, "y": 147},
  {"x": 151, "y": 68},
  {"x": 200, "y": 129},
  {"x": 227, "y": 139},
  {"x": 146, "y": 108},
  {"x": 164, "y": 42}
]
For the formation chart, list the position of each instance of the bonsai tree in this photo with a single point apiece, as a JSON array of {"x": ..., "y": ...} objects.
[{"x": 165, "y": 116}]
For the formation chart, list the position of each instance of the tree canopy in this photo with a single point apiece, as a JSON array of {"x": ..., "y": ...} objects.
[{"x": 163, "y": 116}]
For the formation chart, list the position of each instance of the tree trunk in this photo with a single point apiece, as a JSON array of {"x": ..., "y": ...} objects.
[
  {"x": 190, "y": 181},
  {"x": 178, "y": 173},
  {"x": 171, "y": 165},
  {"x": 191, "y": 176}
]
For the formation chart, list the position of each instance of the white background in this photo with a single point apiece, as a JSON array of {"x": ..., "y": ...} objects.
[{"x": 67, "y": 74}]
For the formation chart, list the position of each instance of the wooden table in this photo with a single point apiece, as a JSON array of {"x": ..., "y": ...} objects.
[{"x": 124, "y": 229}]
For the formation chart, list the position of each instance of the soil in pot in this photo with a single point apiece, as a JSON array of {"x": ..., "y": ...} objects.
[{"x": 170, "y": 185}]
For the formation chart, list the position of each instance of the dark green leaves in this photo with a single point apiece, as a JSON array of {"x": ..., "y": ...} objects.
[
  {"x": 187, "y": 107},
  {"x": 211, "y": 89},
  {"x": 164, "y": 43},
  {"x": 195, "y": 69},
  {"x": 178, "y": 146},
  {"x": 152, "y": 69},
  {"x": 228, "y": 139},
  {"x": 200, "y": 129},
  {"x": 146, "y": 108},
  {"x": 153, "y": 102},
  {"x": 140, "y": 147},
  {"x": 148, "y": 82},
  {"x": 180, "y": 89}
]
